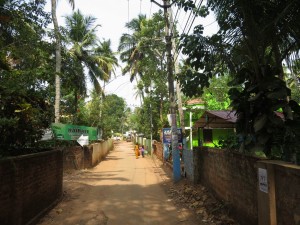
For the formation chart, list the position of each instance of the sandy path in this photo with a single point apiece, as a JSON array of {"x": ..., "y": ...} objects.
[{"x": 121, "y": 190}]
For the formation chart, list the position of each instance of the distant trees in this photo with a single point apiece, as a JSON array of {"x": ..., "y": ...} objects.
[
  {"x": 114, "y": 114},
  {"x": 143, "y": 52}
]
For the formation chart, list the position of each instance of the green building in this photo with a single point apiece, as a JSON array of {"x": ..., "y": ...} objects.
[
  {"x": 193, "y": 109},
  {"x": 213, "y": 125}
]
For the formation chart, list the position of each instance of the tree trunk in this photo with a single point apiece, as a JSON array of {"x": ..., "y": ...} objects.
[{"x": 57, "y": 62}]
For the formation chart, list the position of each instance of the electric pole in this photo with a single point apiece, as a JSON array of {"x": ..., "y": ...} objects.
[{"x": 175, "y": 150}]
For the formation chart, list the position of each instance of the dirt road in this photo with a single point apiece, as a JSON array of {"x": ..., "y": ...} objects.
[{"x": 121, "y": 190}]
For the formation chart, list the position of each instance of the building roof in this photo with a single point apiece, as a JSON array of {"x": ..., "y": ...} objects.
[
  {"x": 217, "y": 119},
  {"x": 195, "y": 101},
  {"x": 220, "y": 119},
  {"x": 227, "y": 115}
]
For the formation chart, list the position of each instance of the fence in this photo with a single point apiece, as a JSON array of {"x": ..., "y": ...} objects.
[
  {"x": 29, "y": 186},
  {"x": 32, "y": 184},
  {"x": 235, "y": 179}
]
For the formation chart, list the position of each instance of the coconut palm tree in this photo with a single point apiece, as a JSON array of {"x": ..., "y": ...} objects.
[
  {"x": 57, "y": 58},
  {"x": 108, "y": 58},
  {"x": 130, "y": 47},
  {"x": 86, "y": 48}
]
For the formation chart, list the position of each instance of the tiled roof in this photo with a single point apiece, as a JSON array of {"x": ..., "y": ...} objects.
[
  {"x": 195, "y": 101},
  {"x": 227, "y": 115}
]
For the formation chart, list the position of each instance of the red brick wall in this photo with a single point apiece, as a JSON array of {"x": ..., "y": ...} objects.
[
  {"x": 158, "y": 149},
  {"x": 29, "y": 185},
  {"x": 233, "y": 178},
  {"x": 88, "y": 156},
  {"x": 287, "y": 192},
  {"x": 78, "y": 157},
  {"x": 73, "y": 158}
]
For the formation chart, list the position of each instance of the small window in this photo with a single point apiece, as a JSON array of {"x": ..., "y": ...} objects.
[{"x": 207, "y": 135}]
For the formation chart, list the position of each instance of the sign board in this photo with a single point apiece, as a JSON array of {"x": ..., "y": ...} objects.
[
  {"x": 73, "y": 132},
  {"x": 83, "y": 140},
  {"x": 48, "y": 135},
  {"x": 263, "y": 180},
  {"x": 167, "y": 135}
]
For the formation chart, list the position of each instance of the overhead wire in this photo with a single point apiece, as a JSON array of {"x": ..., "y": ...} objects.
[
  {"x": 150, "y": 9},
  {"x": 193, "y": 20},
  {"x": 174, "y": 20},
  {"x": 199, "y": 5},
  {"x": 191, "y": 12},
  {"x": 207, "y": 25}
]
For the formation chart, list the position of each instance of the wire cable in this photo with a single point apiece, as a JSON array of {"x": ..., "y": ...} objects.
[
  {"x": 193, "y": 20},
  {"x": 187, "y": 21},
  {"x": 150, "y": 9},
  {"x": 199, "y": 5}
]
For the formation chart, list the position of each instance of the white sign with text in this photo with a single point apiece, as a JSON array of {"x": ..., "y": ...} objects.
[{"x": 263, "y": 180}]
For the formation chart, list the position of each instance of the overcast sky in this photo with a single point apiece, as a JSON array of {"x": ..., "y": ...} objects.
[{"x": 112, "y": 15}]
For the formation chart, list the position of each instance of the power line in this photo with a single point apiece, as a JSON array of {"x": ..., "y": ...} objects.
[
  {"x": 174, "y": 20},
  {"x": 198, "y": 7},
  {"x": 187, "y": 21},
  {"x": 121, "y": 85},
  {"x": 210, "y": 23},
  {"x": 150, "y": 9},
  {"x": 128, "y": 11}
]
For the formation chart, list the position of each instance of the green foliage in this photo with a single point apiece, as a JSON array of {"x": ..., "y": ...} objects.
[
  {"x": 253, "y": 40},
  {"x": 94, "y": 107},
  {"x": 113, "y": 115},
  {"x": 256, "y": 105},
  {"x": 24, "y": 112},
  {"x": 229, "y": 143},
  {"x": 190, "y": 5},
  {"x": 216, "y": 95},
  {"x": 86, "y": 52},
  {"x": 24, "y": 75},
  {"x": 143, "y": 51}
]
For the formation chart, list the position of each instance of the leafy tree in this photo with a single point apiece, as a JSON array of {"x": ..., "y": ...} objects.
[
  {"x": 113, "y": 115},
  {"x": 253, "y": 40},
  {"x": 216, "y": 95},
  {"x": 24, "y": 74},
  {"x": 94, "y": 108}
]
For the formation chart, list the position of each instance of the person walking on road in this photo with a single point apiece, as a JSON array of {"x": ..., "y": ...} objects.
[
  {"x": 143, "y": 151},
  {"x": 136, "y": 151}
]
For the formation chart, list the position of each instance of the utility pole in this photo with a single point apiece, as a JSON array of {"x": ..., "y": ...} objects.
[
  {"x": 176, "y": 70},
  {"x": 175, "y": 150}
]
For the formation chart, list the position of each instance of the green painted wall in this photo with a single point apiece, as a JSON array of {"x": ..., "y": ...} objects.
[{"x": 216, "y": 134}]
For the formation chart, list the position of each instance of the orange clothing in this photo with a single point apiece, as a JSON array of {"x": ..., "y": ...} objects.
[{"x": 136, "y": 151}]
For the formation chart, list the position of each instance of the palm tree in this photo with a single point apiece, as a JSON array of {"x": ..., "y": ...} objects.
[
  {"x": 130, "y": 47},
  {"x": 109, "y": 60},
  {"x": 57, "y": 58},
  {"x": 139, "y": 93},
  {"x": 88, "y": 51},
  {"x": 86, "y": 48}
]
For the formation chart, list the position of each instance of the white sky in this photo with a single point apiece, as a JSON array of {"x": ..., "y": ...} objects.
[{"x": 112, "y": 15}]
